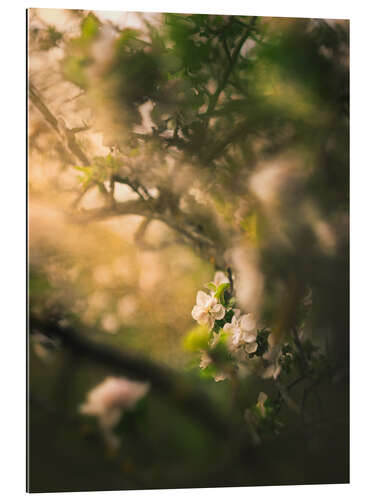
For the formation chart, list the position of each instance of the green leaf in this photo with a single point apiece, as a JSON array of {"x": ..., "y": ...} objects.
[
  {"x": 220, "y": 290},
  {"x": 197, "y": 338}
]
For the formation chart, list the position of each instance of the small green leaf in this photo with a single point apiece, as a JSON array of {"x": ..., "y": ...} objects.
[
  {"x": 197, "y": 338},
  {"x": 220, "y": 290}
]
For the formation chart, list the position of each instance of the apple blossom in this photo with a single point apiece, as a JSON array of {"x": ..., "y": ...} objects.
[
  {"x": 220, "y": 278},
  {"x": 207, "y": 309},
  {"x": 243, "y": 331}
]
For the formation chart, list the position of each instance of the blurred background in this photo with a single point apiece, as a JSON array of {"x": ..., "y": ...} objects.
[{"x": 162, "y": 148}]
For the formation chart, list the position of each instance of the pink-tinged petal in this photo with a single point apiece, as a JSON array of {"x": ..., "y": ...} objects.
[
  {"x": 236, "y": 336},
  {"x": 248, "y": 322},
  {"x": 218, "y": 311},
  {"x": 202, "y": 298},
  {"x": 205, "y": 360},
  {"x": 227, "y": 328},
  {"x": 211, "y": 302},
  {"x": 197, "y": 312},
  {"x": 237, "y": 313},
  {"x": 204, "y": 319},
  {"x": 251, "y": 347},
  {"x": 220, "y": 278},
  {"x": 249, "y": 337},
  {"x": 210, "y": 321},
  {"x": 234, "y": 322}
]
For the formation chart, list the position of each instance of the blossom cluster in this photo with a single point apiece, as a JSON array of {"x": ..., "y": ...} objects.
[
  {"x": 238, "y": 345},
  {"x": 243, "y": 337},
  {"x": 233, "y": 344}
]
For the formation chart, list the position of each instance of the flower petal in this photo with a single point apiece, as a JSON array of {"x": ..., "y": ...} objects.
[
  {"x": 247, "y": 322},
  {"x": 236, "y": 336},
  {"x": 249, "y": 337},
  {"x": 218, "y": 311},
  {"x": 209, "y": 321},
  {"x": 251, "y": 347},
  {"x": 202, "y": 298},
  {"x": 205, "y": 360},
  {"x": 237, "y": 313},
  {"x": 228, "y": 327},
  {"x": 204, "y": 319},
  {"x": 197, "y": 312},
  {"x": 220, "y": 278},
  {"x": 234, "y": 322}
]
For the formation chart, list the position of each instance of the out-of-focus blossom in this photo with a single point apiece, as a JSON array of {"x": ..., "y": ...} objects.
[
  {"x": 108, "y": 400},
  {"x": 262, "y": 398},
  {"x": 215, "y": 339},
  {"x": 249, "y": 278},
  {"x": 110, "y": 323},
  {"x": 243, "y": 331},
  {"x": 44, "y": 346},
  {"x": 219, "y": 377},
  {"x": 220, "y": 278},
  {"x": 272, "y": 356},
  {"x": 207, "y": 310},
  {"x": 205, "y": 360}
]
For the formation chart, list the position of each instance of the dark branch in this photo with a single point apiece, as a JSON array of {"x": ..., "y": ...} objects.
[
  {"x": 231, "y": 65},
  {"x": 65, "y": 135},
  {"x": 169, "y": 384}
]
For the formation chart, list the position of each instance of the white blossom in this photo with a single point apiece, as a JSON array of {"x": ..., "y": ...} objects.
[
  {"x": 243, "y": 331},
  {"x": 220, "y": 278},
  {"x": 108, "y": 400},
  {"x": 207, "y": 309}
]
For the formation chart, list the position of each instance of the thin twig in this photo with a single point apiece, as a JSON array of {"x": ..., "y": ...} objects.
[
  {"x": 232, "y": 63},
  {"x": 65, "y": 135}
]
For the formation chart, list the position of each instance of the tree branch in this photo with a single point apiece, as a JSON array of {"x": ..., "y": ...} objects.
[
  {"x": 65, "y": 135},
  {"x": 232, "y": 63},
  {"x": 168, "y": 383},
  {"x": 149, "y": 210}
]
